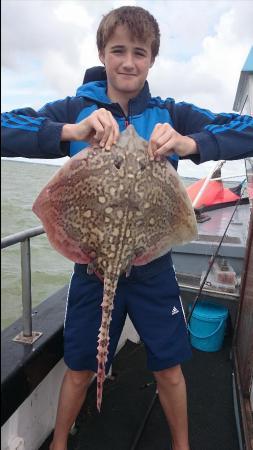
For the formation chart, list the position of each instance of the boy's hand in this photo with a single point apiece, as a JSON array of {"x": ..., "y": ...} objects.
[
  {"x": 100, "y": 128},
  {"x": 165, "y": 141}
]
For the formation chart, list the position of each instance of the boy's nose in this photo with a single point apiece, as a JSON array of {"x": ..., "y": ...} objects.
[{"x": 128, "y": 61}]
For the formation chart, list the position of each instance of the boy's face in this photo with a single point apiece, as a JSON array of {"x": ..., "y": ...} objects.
[{"x": 127, "y": 63}]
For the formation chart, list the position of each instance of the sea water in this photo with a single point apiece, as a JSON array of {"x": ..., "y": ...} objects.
[{"x": 21, "y": 183}]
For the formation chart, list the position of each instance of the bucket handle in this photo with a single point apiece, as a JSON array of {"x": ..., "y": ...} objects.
[{"x": 209, "y": 335}]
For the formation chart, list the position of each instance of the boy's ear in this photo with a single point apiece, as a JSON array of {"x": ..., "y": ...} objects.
[{"x": 101, "y": 56}]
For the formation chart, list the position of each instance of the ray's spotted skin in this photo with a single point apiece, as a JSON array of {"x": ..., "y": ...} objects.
[{"x": 112, "y": 210}]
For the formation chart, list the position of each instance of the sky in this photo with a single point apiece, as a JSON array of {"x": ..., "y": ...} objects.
[{"x": 48, "y": 44}]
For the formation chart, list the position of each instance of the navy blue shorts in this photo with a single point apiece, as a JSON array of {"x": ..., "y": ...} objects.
[{"x": 153, "y": 305}]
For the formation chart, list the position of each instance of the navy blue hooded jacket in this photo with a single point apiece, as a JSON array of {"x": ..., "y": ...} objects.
[{"x": 36, "y": 134}]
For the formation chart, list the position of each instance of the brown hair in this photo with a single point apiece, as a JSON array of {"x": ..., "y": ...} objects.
[{"x": 139, "y": 21}]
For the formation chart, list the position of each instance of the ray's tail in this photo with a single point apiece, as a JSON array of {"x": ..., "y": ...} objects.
[{"x": 110, "y": 285}]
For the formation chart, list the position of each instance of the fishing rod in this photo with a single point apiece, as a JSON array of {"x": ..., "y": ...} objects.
[
  {"x": 227, "y": 178},
  {"x": 143, "y": 423}
]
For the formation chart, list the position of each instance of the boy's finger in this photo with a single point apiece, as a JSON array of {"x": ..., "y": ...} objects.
[
  {"x": 114, "y": 134},
  {"x": 166, "y": 150},
  {"x": 150, "y": 152},
  {"x": 98, "y": 129},
  {"x": 109, "y": 141},
  {"x": 107, "y": 132}
]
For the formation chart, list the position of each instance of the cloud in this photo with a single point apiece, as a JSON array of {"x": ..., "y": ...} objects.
[
  {"x": 50, "y": 33},
  {"x": 48, "y": 44},
  {"x": 209, "y": 77},
  {"x": 45, "y": 25},
  {"x": 203, "y": 46}
]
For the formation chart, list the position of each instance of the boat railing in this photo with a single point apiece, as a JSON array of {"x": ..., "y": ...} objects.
[{"x": 27, "y": 335}]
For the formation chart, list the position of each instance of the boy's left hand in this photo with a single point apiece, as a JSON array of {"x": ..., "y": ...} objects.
[{"x": 164, "y": 141}]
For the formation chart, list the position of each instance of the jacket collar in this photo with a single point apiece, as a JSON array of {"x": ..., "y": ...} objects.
[{"x": 96, "y": 91}]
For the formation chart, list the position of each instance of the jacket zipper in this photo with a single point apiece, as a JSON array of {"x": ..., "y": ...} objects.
[{"x": 126, "y": 118}]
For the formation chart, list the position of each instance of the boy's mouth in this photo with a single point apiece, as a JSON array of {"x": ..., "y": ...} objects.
[{"x": 128, "y": 74}]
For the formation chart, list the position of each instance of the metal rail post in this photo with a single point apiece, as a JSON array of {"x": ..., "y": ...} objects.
[
  {"x": 26, "y": 287},
  {"x": 27, "y": 335}
]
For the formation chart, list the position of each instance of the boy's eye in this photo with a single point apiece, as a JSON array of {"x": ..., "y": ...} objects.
[{"x": 121, "y": 50}]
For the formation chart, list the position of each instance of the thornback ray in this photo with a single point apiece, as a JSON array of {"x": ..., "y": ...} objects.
[{"x": 112, "y": 210}]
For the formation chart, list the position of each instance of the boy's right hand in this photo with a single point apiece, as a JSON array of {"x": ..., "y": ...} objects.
[{"x": 98, "y": 128}]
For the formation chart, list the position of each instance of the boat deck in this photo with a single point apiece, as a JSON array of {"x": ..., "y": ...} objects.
[
  {"x": 191, "y": 261},
  {"x": 212, "y": 230},
  {"x": 131, "y": 393}
]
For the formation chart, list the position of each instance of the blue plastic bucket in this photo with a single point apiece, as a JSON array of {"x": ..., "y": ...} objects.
[{"x": 207, "y": 326}]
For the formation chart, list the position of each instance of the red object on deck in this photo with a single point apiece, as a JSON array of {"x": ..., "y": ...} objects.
[{"x": 214, "y": 193}]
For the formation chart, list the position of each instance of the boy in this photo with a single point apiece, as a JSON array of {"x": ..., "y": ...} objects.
[{"x": 128, "y": 42}]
